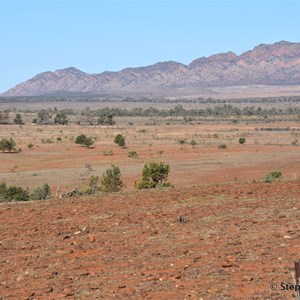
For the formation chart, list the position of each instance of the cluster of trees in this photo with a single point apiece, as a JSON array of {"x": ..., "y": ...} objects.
[
  {"x": 15, "y": 193},
  {"x": 105, "y": 116},
  {"x": 154, "y": 175}
]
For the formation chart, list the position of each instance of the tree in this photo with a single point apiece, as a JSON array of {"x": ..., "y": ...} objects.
[
  {"x": 18, "y": 119},
  {"x": 88, "y": 142},
  {"x": 7, "y": 144},
  {"x": 106, "y": 119},
  {"x": 154, "y": 175},
  {"x": 61, "y": 118},
  {"x": 120, "y": 140},
  {"x": 43, "y": 117},
  {"x": 84, "y": 140},
  {"x": 80, "y": 139},
  {"x": 111, "y": 180}
]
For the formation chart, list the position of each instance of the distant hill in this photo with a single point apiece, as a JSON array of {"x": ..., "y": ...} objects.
[{"x": 274, "y": 64}]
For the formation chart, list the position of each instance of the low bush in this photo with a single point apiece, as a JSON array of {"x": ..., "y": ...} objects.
[
  {"x": 271, "y": 176},
  {"x": 242, "y": 140}
]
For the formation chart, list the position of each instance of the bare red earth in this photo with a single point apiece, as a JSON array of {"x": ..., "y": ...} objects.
[{"x": 226, "y": 241}]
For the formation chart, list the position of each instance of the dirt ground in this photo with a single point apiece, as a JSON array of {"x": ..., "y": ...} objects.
[
  {"x": 221, "y": 233},
  {"x": 52, "y": 161},
  {"x": 216, "y": 241}
]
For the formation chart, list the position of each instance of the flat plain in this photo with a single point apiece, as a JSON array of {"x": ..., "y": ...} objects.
[{"x": 220, "y": 233}]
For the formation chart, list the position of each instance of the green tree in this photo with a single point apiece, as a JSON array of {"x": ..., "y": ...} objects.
[
  {"x": 154, "y": 175},
  {"x": 120, "y": 140},
  {"x": 84, "y": 140},
  {"x": 88, "y": 142},
  {"x": 106, "y": 119},
  {"x": 111, "y": 180},
  {"x": 61, "y": 118},
  {"x": 18, "y": 119},
  {"x": 80, "y": 139},
  {"x": 7, "y": 145}
]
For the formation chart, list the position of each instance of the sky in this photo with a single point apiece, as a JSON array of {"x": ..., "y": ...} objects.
[{"x": 96, "y": 36}]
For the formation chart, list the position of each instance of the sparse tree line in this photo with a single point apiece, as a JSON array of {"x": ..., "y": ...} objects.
[
  {"x": 120, "y": 99},
  {"x": 154, "y": 175},
  {"x": 105, "y": 116}
]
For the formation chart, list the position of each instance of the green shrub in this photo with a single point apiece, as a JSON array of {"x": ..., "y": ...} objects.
[
  {"x": 120, "y": 140},
  {"x": 41, "y": 193},
  {"x": 80, "y": 139},
  {"x": 111, "y": 180},
  {"x": 13, "y": 193},
  {"x": 181, "y": 141},
  {"x": 154, "y": 175},
  {"x": 7, "y": 144},
  {"x": 84, "y": 140},
  {"x": 242, "y": 140},
  {"x": 88, "y": 142},
  {"x": 30, "y": 146},
  {"x": 271, "y": 176}
]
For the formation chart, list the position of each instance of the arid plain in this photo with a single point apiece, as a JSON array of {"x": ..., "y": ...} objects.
[{"x": 220, "y": 233}]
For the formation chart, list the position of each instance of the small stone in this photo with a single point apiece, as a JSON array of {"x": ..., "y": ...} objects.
[
  {"x": 20, "y": 278},
  {"x": 91, "y": 239}
]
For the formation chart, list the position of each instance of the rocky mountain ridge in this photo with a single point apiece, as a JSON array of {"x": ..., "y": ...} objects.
[{"x": 266, "y": 64}]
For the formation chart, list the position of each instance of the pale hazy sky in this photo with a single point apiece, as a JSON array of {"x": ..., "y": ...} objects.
[{"x": 95, "y": 36}]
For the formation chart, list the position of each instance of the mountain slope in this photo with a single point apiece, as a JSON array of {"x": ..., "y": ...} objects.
[{"x": 273, "y": 64}]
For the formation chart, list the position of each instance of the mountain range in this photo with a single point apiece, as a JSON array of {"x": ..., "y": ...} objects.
[{"x": 267, "y": 64}]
